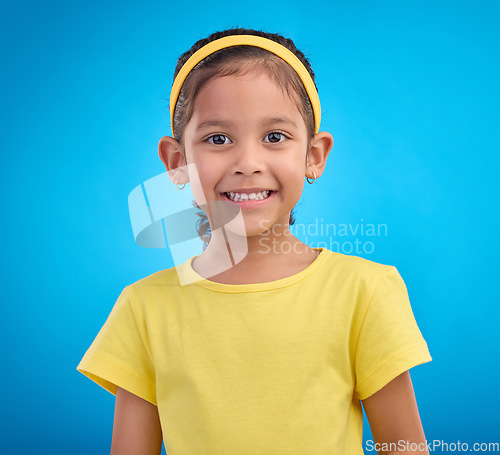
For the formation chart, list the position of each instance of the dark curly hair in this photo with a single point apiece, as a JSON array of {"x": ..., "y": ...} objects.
[{"x": 239, "y": 60}]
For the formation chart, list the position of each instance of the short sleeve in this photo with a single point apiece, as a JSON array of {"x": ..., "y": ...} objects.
[
  {"x": 389, "y": 341},
  {"x": 120, "y": 354}
]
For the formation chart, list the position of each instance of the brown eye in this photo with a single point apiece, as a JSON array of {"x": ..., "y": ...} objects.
[
  {"x": 218, "y": 139},
  {"x": 275, "y": 137}
]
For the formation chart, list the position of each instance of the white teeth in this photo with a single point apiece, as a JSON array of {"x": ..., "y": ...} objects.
[{"x": 251, "y": 196}]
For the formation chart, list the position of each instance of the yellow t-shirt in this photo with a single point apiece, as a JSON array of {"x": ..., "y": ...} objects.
[{"x": 257, "y": 369}]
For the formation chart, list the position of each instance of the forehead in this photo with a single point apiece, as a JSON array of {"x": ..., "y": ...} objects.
[{"x": 240, "y": 96}]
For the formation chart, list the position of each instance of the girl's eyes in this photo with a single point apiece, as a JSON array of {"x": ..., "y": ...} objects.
[
  {"x": 221, "y": 139},
  {"x": 276, "y": 136},
  {"x": 218, "y": 139}
]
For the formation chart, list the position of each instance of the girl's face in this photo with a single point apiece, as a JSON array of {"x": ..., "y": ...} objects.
[{"x": 246, "y": 136}]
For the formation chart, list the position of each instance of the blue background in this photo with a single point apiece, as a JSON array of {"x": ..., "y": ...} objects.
[{"x": 409, "y": 90}]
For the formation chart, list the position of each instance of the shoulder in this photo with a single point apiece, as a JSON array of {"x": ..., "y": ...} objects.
[
  {"x": 158, "y": 287},
  {"x": 356, "y": 279},
  {"x": 166, "y": 277},
  {"x": 350, "y": 269}
]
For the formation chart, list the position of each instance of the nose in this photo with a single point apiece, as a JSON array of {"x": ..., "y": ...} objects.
[{"x": 247, "y": 159}]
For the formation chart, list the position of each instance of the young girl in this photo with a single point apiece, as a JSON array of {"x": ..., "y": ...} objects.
[{"x": 266, "y": 346}]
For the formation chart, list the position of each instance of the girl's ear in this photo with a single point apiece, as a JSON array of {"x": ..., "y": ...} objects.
[
  {"x": 170, "y": 152},
  {"x": 319, "y": 148}
]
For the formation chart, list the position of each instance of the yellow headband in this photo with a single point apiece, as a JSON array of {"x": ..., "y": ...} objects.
[{"x": 248, "y": 40}]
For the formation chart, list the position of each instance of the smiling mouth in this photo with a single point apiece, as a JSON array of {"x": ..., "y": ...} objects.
[{"x": 240, "y": 197}]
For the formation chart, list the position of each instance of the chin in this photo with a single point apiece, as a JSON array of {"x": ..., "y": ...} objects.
[{"x": 249, "y": 229}]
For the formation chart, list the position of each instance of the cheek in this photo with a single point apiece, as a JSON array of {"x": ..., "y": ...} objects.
[
  {"x": 195, "y": 160},
  {"x": 207, "y": 172},
  {"x": 293, "y": 166}
]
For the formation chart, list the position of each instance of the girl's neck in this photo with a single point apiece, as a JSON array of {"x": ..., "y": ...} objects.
[{"x": 233, "y": 259}]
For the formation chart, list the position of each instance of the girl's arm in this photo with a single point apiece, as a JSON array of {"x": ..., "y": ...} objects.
[
  {"x": 136, "y": 429},
  {"x": 393, "y": 416}
]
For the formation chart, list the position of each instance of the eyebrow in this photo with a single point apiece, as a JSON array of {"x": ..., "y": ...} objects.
[{"x": 265, "y": 121}]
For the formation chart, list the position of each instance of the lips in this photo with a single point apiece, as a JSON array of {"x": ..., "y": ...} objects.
[
  {"x": 248, "y": 196},
  {"x": 247, "y": 201}
]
